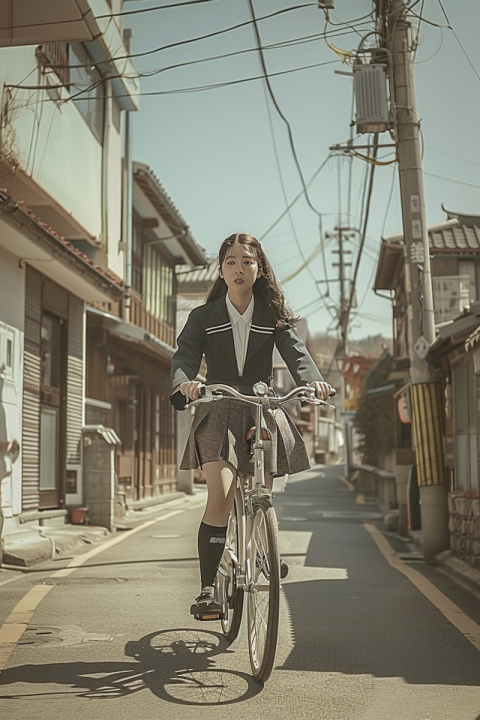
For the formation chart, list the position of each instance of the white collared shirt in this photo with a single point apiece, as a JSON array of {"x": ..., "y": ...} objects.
[{"x": 241, "y": 325}]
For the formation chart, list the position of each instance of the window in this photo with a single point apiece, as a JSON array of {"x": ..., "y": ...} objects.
[
  {"x": 158, "y": 285},
  {"x": 137, "y": 259},
  {"x": 91, "y": 102},
  {"x": 50, "y": 351},
  {"x": 465, "y": 425},
  {"x": 467, "y": 267}
]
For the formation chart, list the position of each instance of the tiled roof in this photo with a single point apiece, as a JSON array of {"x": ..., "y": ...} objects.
[
  {"x": 10, "y": 205},
  {"x": 473, "y": 339},
  {"x": 451, "y": 235},
  {"x": 448, "y": 236},
  {"x": 163, "y": 203}
]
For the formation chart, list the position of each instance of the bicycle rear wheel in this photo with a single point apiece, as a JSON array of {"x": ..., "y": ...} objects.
[
  {"x": 263, "y": 600},
  {"x": 232, "y": 595}
]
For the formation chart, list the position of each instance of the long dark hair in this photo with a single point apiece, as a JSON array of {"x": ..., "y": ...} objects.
[{"x": 266, "y": 286}]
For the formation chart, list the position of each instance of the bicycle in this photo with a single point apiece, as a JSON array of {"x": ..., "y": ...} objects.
[{"x": 250, "y": 565}]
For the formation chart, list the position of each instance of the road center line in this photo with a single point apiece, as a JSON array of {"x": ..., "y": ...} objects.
[
  {"x": 16, "y": 623},
  {"x": 452, "y": 612}
]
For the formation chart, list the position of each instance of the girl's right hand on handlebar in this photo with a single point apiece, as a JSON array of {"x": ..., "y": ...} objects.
[{"x": 190, "y": 389}]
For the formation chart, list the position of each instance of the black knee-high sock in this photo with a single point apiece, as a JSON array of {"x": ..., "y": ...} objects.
[{"x": 211, "y": 541}]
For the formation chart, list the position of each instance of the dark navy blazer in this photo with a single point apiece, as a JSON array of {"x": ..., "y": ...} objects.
[{"x": 208, "y": 331}]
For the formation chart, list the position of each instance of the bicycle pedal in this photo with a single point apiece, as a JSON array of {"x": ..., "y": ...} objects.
[{"x": 204, "y": 617}]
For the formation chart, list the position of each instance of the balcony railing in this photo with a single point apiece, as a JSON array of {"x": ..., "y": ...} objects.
[
  {"x": 141, "y": 317},
  {"x": 451, "y": 294}
]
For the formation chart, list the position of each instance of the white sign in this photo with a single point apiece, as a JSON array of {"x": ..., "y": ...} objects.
[{"x": 421, "y": 347}]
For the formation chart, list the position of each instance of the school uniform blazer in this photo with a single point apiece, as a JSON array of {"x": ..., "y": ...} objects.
[{"x": 209, "y": 331}]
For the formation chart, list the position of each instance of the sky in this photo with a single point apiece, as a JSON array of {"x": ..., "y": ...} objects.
[{"x": 223, "y": 154}]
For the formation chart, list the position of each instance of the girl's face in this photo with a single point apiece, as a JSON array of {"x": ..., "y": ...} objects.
[{"x": 240, "y": 269}]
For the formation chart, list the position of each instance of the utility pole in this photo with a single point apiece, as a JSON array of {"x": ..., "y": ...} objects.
[
  {"x": 426, "y": 402},
  {"x": 342, "y": 234}
]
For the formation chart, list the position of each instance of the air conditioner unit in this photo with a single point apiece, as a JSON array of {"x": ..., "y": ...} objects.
[{"x": 371, "y": 98}]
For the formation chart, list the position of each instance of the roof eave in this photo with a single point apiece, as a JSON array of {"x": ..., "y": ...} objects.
[{"x": 13, "y": 212}]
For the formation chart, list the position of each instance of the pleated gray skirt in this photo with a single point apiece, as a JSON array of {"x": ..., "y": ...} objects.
[{"x": 219, "y": 431}]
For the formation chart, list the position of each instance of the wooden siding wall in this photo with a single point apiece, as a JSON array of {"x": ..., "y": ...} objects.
[
  {"x": 31, "y": 390},
  {"x": 74, "y": 380}
]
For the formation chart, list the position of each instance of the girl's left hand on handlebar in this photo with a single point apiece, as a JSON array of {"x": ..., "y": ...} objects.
[
  {"x": 190, "y": 389},
  {"x": 323, "y": 390}
]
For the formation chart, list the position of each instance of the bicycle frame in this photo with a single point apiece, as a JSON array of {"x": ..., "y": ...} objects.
[{"x": 250, "y": 489}]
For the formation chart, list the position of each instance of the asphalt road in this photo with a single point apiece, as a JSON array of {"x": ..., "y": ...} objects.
[{"x": 364, "y": 634}]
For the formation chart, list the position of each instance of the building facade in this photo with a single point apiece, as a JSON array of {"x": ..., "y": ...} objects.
[
  {"x": 89, "y": 247},
  {"x": 455, "y": 262}
]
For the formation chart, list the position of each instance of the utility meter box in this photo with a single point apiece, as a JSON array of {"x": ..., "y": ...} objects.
[{"x": 371, "y": 98}]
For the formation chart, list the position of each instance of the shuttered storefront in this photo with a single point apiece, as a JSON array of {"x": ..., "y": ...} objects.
[
  {"x": 53, "y": 405},
  {"x": 31, "y": 390},
  {"x": 74, "y": 380}
]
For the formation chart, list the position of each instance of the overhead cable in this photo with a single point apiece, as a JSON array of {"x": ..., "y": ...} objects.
[
  {"x": 459, "y": 41},
  {"x": 296, "y": 198},
  {"x": 364, "y": 231},
  {"x": 278, "y": 109}
]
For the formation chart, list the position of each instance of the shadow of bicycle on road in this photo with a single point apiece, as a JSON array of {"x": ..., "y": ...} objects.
[{"x": 176, "y": 665}]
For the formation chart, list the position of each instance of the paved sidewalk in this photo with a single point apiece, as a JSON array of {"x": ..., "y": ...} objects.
[{"x": 43, "y": 544}]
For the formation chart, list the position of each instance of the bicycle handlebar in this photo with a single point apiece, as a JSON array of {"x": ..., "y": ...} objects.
[{"x": 305, "y": 393}]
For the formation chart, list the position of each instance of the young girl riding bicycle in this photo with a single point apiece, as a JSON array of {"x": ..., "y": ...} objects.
[{"x": 245, "y": 315}]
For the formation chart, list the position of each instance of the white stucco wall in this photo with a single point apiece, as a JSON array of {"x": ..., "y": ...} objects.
[
  {"x": 12, "y": 318},
  {"x": 56, "y": 147}
]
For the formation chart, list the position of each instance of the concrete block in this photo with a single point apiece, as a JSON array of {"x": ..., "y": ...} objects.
[
  {"x": 457, "y": 542},
  {"x": 476, "y": 547},
  {"x": 460, "y": 504},
  {"x": 453, "y": 523},
  {"x": 451, "y": 501},
  {"x": 476, "y": 507}
]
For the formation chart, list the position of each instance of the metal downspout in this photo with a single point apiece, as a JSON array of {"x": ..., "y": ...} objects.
[
  {"x": 128, "y": 196},
  {"x": 107, "y": 125}
]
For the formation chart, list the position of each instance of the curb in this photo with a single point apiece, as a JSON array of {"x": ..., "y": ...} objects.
[
  {"x": 459, "y": 569},
  {"x": 34, "y": 551},
  {"x": 154, "y": 501}
]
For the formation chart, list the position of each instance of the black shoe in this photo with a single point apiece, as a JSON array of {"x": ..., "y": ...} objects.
[
  {"x": 283, "y": 569},
  {"x": 205, "y": 607}
]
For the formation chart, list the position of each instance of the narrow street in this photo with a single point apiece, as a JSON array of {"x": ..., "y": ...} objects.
[{"x": 358, "y": 640}]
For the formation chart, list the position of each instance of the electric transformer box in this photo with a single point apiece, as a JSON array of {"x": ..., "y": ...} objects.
[{"x": 371, "y": 98}]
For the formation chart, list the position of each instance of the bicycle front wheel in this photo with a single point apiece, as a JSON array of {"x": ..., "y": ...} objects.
[
  {"x": 263, "y": 599},
  {"x": 233, "y": 595}
]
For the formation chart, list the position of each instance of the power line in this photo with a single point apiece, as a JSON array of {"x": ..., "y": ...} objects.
[
  {"x": 175, "y": 91},
  {"x": 451, "y": 180},
  {"x": 278, "y": 109},
  {"x": 458, "y": 40},
  {"x": 453, "y": 157},
  {"x": 364, "y": 231},
  {"x": 179, "y": 43},
  {"x": 296, "y": 198},
  {"x": 273, "y": 46},
  {"x": 156, "y": 7}
]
